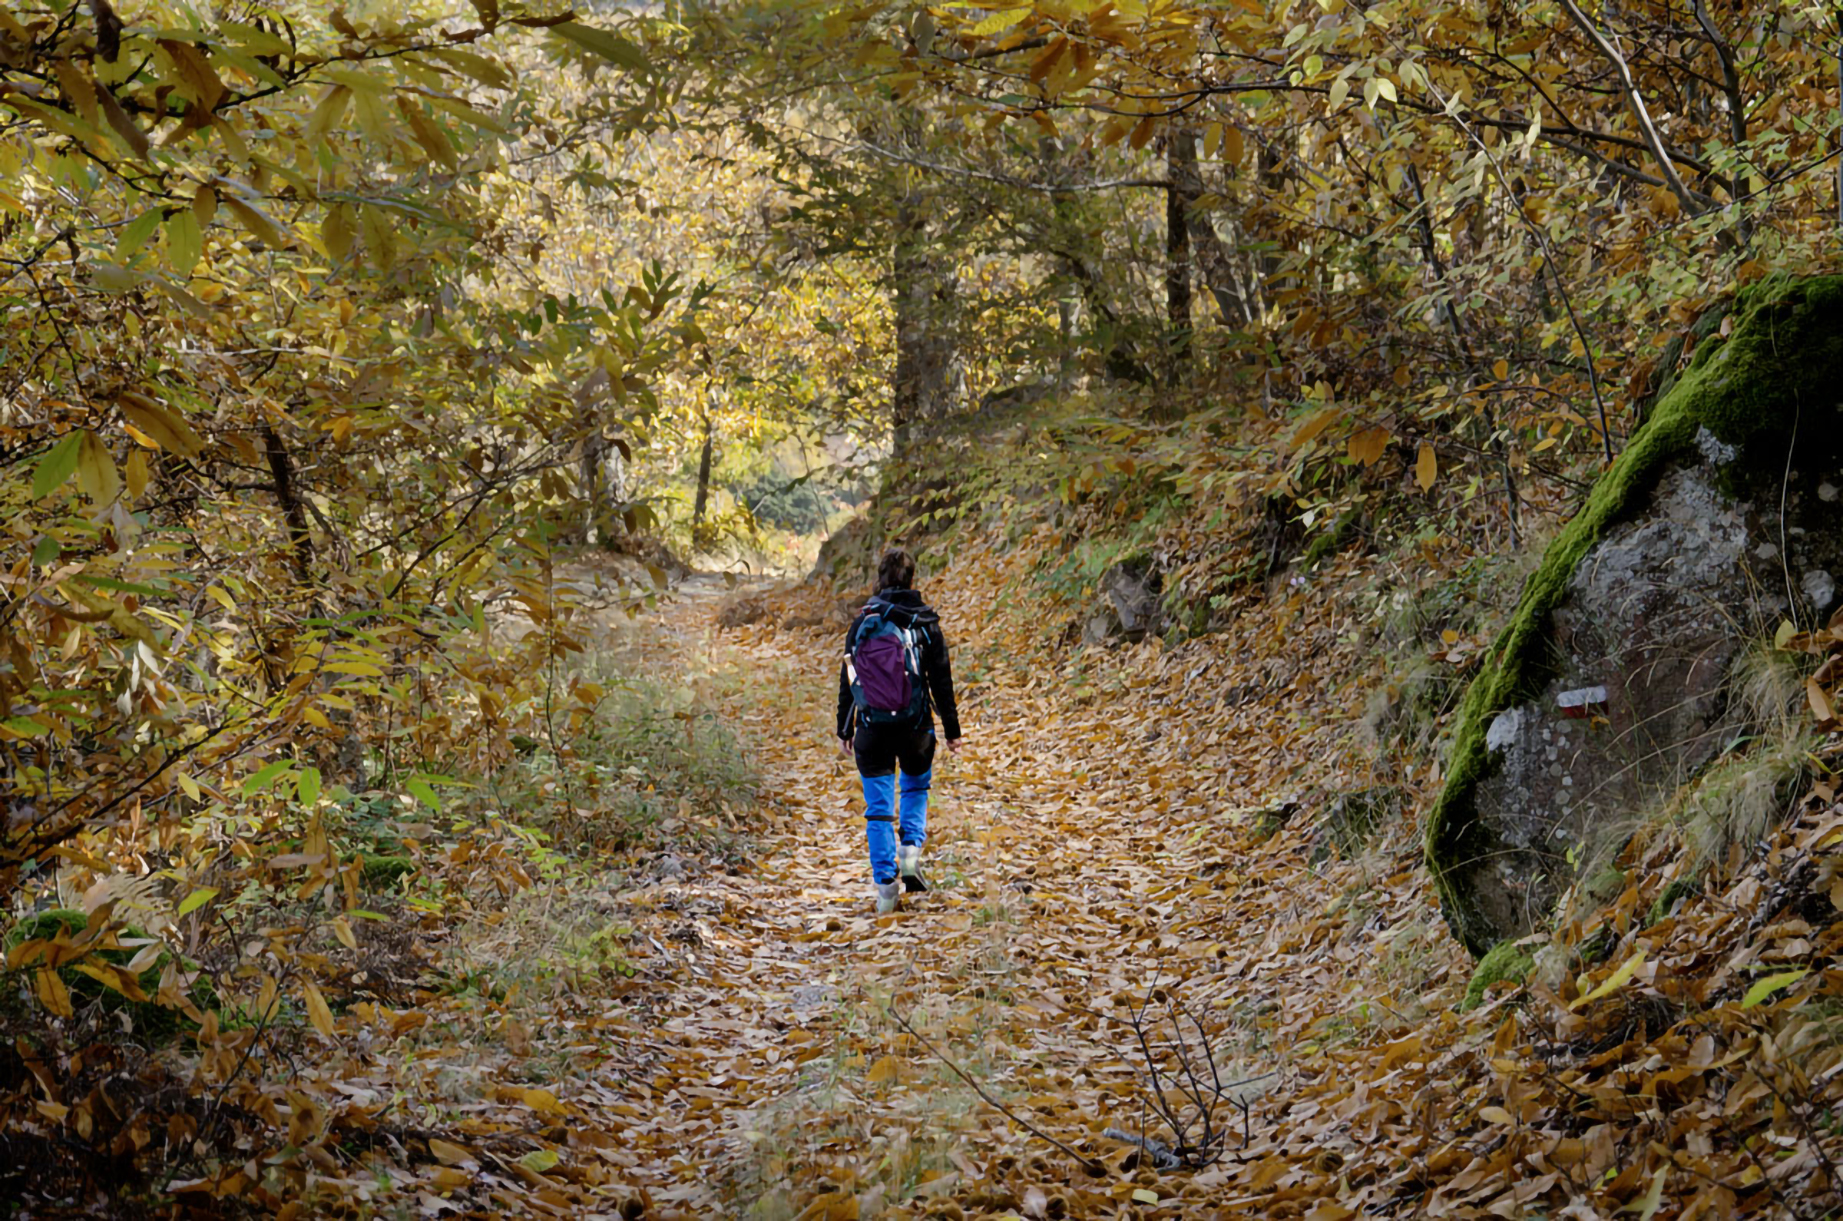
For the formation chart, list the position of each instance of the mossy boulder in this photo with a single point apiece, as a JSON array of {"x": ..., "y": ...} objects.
[
  {"x": 150, "y": 1019},
  {"x": 1613, "y": 678}
]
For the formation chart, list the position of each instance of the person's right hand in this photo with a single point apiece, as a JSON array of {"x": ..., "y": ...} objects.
[
  {"x": 953, "y": 745},
  {"x": 844, "y": 747}
]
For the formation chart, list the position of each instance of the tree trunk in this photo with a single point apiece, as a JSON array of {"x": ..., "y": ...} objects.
[
  {"x": 1181, "y": 171},
  {"x": 281, "y": 471},
  {"x": 703, "y": 497},
  {"x": 927, "y": 356}
]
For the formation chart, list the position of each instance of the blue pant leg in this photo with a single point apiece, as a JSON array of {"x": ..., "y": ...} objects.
[
  {"x": 880, "y": 826},
  {"x": 915, "y": 806}
]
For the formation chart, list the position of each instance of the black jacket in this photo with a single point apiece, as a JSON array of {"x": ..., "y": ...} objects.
[{"x": 906, "y": 609}]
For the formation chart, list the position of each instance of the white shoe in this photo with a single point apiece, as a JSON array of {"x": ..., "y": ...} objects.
[
  {"x": 887, "y": 894},
  {"x": 908, "y": 867}
]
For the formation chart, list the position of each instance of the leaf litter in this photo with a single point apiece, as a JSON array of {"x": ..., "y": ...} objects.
[{"x": 1138, "y": 989}]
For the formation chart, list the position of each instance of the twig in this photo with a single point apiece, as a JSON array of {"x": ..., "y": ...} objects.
[{"x": 1088, "y": 1163}]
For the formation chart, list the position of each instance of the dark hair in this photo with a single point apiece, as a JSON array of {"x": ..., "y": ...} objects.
[{"x": 896, "y": 570}]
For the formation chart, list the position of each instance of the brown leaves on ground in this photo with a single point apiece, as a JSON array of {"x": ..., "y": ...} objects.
[{"x": 714, "y": 1035}]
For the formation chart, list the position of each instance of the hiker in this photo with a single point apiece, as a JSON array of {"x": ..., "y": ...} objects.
[{"x": 894, "y": 677}]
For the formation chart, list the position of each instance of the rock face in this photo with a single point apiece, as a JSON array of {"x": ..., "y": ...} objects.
[
  {"x": 1129, "y": 606},
  {"x": 1613, "y": 682}
]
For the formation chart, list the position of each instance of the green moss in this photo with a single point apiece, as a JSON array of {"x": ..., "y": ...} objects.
[
  {"x": 381, "y": 870},
  {"x": 1347, "y": 527},
  {"x": 151, "y": 1019},
  {"x": 1786, "y": 349},
  {"x": 1506, "y": 961},
  {"x": 1682, "y": 888}
]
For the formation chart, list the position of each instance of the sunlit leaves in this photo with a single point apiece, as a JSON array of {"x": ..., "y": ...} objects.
[
  {"x": 58, "y": 464},
  {"x": 603, "y": 43}
]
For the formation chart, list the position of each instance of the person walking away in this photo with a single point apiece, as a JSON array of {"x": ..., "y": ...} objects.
[{"x": 895, "y": 676}]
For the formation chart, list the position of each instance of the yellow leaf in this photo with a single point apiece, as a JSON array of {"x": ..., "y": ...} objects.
[
  {"x": 78, "y": 88},
  {"x": 1317, "y": 424},
  {"x": 448, "y": 1153},
  {"x": 184, "y": 242},
  {"x": 342, "y": 929},
  {"x": 327, "y": 114},
  {"x": 1233, "y": 145},
  {"x": 542, "y": 1101},
  {"x": 195, "y": 73},
  {"x": 266, "y": 231},
  {"x": 886, "y": 1071},
  {"x": 196, "y": 900},
  {"x": 1612, "y": 983},
  {"x": 53, "y": 994},
  {"x": 317, "y": 1011},
  {"x": 1814, "y": 694},
  {"x": 337, "y": 232},
  {"x": 1501, "y": 370},
  {"x": 428, "y": 133},
  {"x": 1369, "y": 445},
  {"x": 1004, "y": 19},
  {"x": 380, "y": 237},
  {"x": 1426, "y": 467},
  {"x": 125, "y": 127},
  {"x": 166, "y": 428},
  {"x": 96, "y": 473},
  {"x": 136, "y": 473},
  {"x": 205, "y": 204},
  {"x": 1495, "y": 1115}
]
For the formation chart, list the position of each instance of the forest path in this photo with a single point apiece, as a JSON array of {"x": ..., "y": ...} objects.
[{"x": 764, "y": 1065}]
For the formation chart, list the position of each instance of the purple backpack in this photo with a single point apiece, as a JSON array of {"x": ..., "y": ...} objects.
[{"x": 883, "y": 662}]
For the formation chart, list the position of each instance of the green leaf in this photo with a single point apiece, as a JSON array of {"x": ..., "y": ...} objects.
[
  {"x": 58, "y": 464},
  {"x": 135, "y": 233},
  {"x": 264, "y": 777},
  {"x": 611, "y": 47},
  {"x": 307, "y": 787},
  {"x": 420, "y": 790},
  {"x": 197, "y": 899},
  {"x": 1763, "y": 989},
  {"x": 184, "y": 242},
  {"x": 1617, "y": 980},
  {"x": 539, "y": 1161}
]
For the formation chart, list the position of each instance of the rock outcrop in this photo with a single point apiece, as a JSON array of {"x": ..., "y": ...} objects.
[
  {"x": 1129, "y": 606},
  {"x": 1614, "y": 681}
]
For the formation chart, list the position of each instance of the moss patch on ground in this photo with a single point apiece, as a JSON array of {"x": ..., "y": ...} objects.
[
  {"x": 1784, "y": 356},
  {"x": 1506, "y": 961}
]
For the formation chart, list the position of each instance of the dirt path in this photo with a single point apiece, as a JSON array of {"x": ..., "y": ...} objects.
[{"x": 1085, "y": 855}]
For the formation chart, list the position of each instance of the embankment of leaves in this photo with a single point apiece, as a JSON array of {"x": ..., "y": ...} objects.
[
  {"x": 1669, "y": 1043},
  {"x": 312, "y": 1015}
]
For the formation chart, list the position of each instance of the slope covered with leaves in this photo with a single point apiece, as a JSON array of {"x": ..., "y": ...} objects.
[{"x": 1672, "y": 1055}]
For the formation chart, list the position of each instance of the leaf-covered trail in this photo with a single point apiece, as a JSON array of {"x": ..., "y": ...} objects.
[{"x": 1085, "y": 851}]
